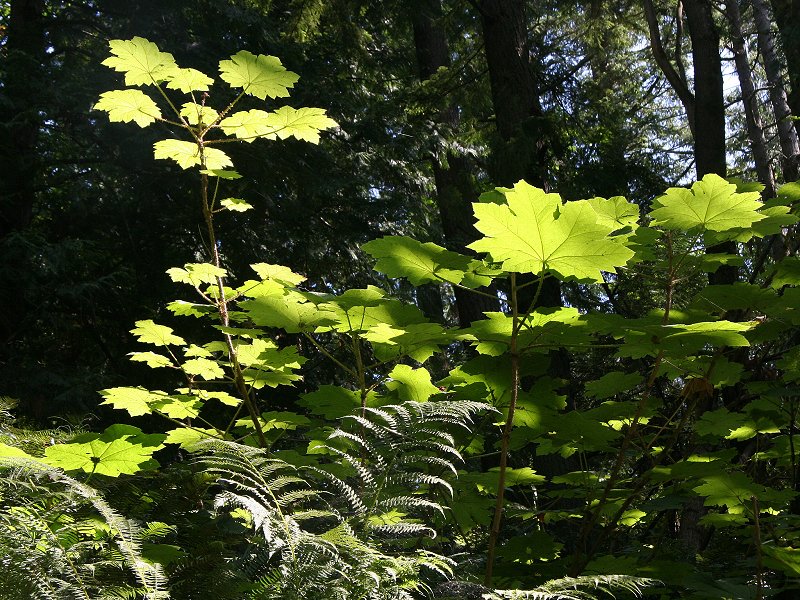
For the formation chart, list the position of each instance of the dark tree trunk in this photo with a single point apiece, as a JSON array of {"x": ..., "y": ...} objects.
[
  {"x": 522, "y": 148},
  {"x": 755, "y": 127},
  {"x": 787, "y": 134},
  {"x": 787, "y": 17},
  {"x": 709, "y": 114},
  {"x": 709, "y": 139},
  {"x": 455, "y": 187},
  {"x": 20, "y": 98}
]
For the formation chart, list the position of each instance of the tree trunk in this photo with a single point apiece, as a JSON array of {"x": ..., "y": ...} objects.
[
  {"x": 755, "y": 127},
  {"x": 24, "y": 58},
  {"x": 787, "y": 17},
  {"x": 455, "y": 188},
  {"x": 522, "y": 148},
  {"x": 787, "y": 134}
]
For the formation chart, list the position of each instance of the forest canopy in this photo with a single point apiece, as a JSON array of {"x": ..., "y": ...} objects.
[{"x": 425, "y": 299}]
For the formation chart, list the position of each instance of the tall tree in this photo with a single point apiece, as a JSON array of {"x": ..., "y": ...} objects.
[
  {"x": 787, "y": 133},
  {"x": 752, "y": 112},
  {"x": 23, "y": 65},
  {"x": 787, "y": 18},
  {"x": 523, "y": 143},
  {"x": 455, "y": 183}
]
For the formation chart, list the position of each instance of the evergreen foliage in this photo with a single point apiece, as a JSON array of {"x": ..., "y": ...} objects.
[{"x": 315, "y": 432}]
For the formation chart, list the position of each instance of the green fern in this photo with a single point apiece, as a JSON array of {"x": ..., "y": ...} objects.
[
  {"x": 401, "y": 456},
  {"x": 587, "y": 587},
  {"x": 47, "y": 547},
  {"x": 349, "y": 544}
]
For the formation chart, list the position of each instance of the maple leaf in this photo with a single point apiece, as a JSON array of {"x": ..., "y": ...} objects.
[
  {"x": 135, "y": 400},
  {"x": 301, "y": 123},
  {"x": 141, "y": 61},
  {"x": 148, "y": 332},
  {"x": 152, "y": 359},
  {"x": 401, "y": 256},
  {"x": 278, "y": 273},
  {"x": 197, "y": 273},
  {"x": 129, "y": 105},
  {"x": 246, "y": 125},
  {"x": 188, "y": 80},
  {"x": 187, "y": 438},
  {"x": 411, "y": 384},
  {"x": 196, "y": 114},
  {"x": 121, "y": 449},
  {"x": 534, "y": 233},
  {"x": 711, "y": 204},
  {"x": 203, "y": 367},
  {"x": 187, "y": 154},
  {"x": 259, "y": 76},
  {"x": 235, "y": 204}
]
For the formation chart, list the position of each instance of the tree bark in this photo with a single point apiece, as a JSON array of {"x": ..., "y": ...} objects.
[
  {"x": 21, "y": 92},
  {"x": 709, "y": 139},
  {"x": 787, "y": 134},
  {"x": 787, "y": 18},
  {"x": 455, "y": 187},
  {"x": 523, "y": 145},
  {"x": 755, "y": 127}
]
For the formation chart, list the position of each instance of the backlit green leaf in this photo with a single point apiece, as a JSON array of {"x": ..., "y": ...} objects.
[
  {"x": 411, "y": 384},
  {"x": 615, "y": 212},
  {"x": 236, "y": 204},
  {"x": 301, "y": 123},
  {"x": 152, "y": 359},
  {"x": 534, "y": 233},
  {"x": 141, "y": 61},
  {"x": 196, "y": 274},
  {"x": 260, "y": 76},
  {"x": 196, "y": 114},
  {"x": 135, "y": 400},
  {"x": 401, "y": 256},
  {"x": 148, "y": 332},
  {"x": 129, "y": 105},
  {"x": 205, "y": 368},
  {"x": 188, "y": 437},
  {"x": 179, "y": 407},
  {"x": 278, "y": 273},
  {"x": 711, "y": 204},
  {"x": 189, "y": 80},
  {"x": 246, "y": 125},
  {"x": 187, "y": 154},
  {"x": 121, "y": 449}
]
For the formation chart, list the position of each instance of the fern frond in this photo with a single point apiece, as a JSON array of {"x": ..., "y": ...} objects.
[
  {"x": 579, "y": 588},
  {"x": 58, "y": 561}
]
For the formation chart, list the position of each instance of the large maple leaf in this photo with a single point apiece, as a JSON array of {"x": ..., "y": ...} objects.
[{"x": 533, "y": 232}]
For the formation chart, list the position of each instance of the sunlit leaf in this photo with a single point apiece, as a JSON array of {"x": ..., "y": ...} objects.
[
  {"x": 151, "y": 359},
  {"x": 236, "y": 204},
  {"x": 711, "y": 204},
  {"x": 187, "y": 437},
  {"x": 196, "y": 274},
  {"x": 260, "y": 76},
  {"x": 401, "y": 256},
  {"x": 148, "y": 332},
  {"x": 135, "y": 400},
  {"x": 121, "y": 449},
  {"x": 196, "y": 114},
  {"x": 188, "y": 80},
  {"x": 203, "y": 367},
  {"x": 129, "y": 105},
  {"x": 411, "y": 384},
  {"x": 141, "y": 61},
  {"x": 187, "y": 154},
  {"x": 535, "y": 233}
]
